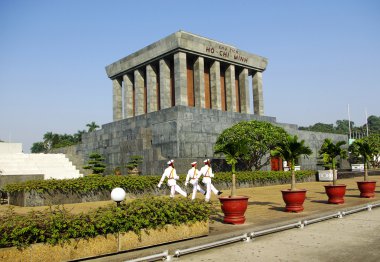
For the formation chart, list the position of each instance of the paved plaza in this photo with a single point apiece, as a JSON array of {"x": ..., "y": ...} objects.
[
  {"x": 351, "y": 238},
  {"x": 265, "y": 210}
]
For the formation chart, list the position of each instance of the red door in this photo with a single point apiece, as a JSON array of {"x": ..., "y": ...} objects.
[{"x": 276, "y": 164}]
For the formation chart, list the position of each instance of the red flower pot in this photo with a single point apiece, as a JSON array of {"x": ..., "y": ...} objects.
[
  {"x": 367, "y": 188},
  {"x": 234, "y": 209},
  {"x": 294, "y": 199},
  {"x": 335, "y": 193}
]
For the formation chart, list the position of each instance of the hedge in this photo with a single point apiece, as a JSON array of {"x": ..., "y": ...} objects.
[
  {"x": 140, "y": 184},
  {"x": 57, "y": 225}
]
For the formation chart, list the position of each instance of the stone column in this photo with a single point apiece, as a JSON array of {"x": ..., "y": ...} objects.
[
  {"x": 151, "y": 86},
  {"x": 139, "y": 93},
  {"x": 199, "y": 82},
  {"x": 180, "y": 79},
  {"x": 244, "y": 91},
  {"x": 164, "y": 84},
  {"x": 230, "y": 88},
  {"x": 215, "y": 86},
  {"x": 257, "y": 88},
  {"x": 117, "y": 100},
  {"x": 128, "y": 96}
]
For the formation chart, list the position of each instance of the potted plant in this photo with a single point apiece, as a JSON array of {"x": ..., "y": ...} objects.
[
  {"x": 132, "y": 166},
  {"x": 290, "y": 150},
  {"x": 362, "y": 149},
  {"x": 329, "y": 153},
  {"x": 233, "y": 206},
  {"x": 117, "y": 171}
]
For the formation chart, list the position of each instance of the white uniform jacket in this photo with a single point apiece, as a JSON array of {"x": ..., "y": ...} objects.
[
  {"x": 171, "y": 174},
  {"x": 192, "y": 175},
  {"x": 207, "y": 174}
]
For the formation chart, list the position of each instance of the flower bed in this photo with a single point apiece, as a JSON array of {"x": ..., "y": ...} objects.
[
  {"x": 58, "y": 234},
  {"x": 102, "y": 245},
  {"x": 57, "y": 225}
]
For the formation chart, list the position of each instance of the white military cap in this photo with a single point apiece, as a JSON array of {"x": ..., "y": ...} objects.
[
  {"x": 194, "y": 163},
  {"x": 206, "y": 160},
  {"x": 170, "y": 162}
]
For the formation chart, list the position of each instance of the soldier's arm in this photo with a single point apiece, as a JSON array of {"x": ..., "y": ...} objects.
[{"x": 162, "y": 179}]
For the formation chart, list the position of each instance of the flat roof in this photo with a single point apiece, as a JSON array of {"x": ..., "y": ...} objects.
[{"x": 188, "y": 43}]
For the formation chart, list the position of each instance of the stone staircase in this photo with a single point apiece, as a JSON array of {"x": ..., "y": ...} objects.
[{"x": 51, "y": 166}]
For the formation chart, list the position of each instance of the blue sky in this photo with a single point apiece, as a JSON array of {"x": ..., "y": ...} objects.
[{"x": 323, "y": 55}]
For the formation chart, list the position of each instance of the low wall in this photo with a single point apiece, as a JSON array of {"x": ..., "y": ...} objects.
[
  {"x": 34, "y": 198},
  {"x": 102, "y": 245},
  {"x": 11, "y": 179},
  {"x": 350, "y": 174}
]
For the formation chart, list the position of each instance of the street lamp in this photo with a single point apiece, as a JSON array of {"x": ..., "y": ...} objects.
[{"x": 117, "y": 195}]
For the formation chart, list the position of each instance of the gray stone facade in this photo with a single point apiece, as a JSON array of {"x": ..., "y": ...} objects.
[{"x": 182, "y": 133}]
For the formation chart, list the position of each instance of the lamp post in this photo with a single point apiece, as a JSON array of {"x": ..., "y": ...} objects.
[{"x": 117, "y": 195}]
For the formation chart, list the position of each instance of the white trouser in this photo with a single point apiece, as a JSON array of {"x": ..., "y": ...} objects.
[
  {"x": 210, "y": 187},
  {"x": 175, "y": 188},
  {"x": 196, "y": 188}
]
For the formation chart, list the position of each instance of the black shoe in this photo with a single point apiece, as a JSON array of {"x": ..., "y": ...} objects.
[
  {"x": 205, "y": 193},
  {"x": 220, "y": 192}
]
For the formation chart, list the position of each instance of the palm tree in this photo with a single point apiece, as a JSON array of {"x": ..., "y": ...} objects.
[
  {"x": 330, "y": 151},
  {"x": 232, "y": 150},
  {"x": 290, "y": 150},
  {"x": 362, "y": 149},
  {"x": 78, "y": 136},
  {"x": 50, "y": 139},
  {"x": 92, "y": 126}
]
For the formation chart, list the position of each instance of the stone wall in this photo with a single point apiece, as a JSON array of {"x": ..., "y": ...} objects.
[
  {"x": 315, "y": 140},
  {"x": 74, "y": 155},
  {"x": 185, "y": 134},
  {"x": 182, "y": 133}
]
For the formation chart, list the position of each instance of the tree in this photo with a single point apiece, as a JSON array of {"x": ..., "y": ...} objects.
[
  {"x": 92, "y": 126},
  {"x": 95, "y": 163},
  {"x": 38, "y": 147},
  {"x": 260, "y": 137},
  {"x": 374, "y": 142},
  {"x": 78, "y": 135},
  {"x": 343, "y": 126},
  {"x": 320, "y": 127},
  {"x": 374, "y": 124},
  {"x": 234, "y": 148},
  {"x": 290, "y": 150},
  {"x": 330, "y": 152},
  {"x": 363, "y": 150},
  {"x": 134, "y": 162},
  {"x": 50, "y": 140}
]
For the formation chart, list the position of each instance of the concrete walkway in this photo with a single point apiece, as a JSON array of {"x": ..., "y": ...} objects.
[
  {"x": 351, "y": 238},
  {"x": 265, "y": 210}
]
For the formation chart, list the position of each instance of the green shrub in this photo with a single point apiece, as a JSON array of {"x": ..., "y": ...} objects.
[
  {"x": 141, "y": 184},
  {"x": 58, "y": 225},
  {"x": 262, "y": 177}
]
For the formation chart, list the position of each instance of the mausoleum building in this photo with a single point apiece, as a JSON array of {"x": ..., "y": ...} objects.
[
  {"x": 174, "y": 97},
  {"x": 184, "y": 69}
]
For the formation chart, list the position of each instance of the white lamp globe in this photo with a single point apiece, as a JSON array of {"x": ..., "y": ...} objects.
[{"x": 117, "y": 194}]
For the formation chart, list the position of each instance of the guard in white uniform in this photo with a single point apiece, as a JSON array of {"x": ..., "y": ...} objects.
[
  {"x": 192, "y": 177},
  {"x": 171, "y": 174},
  {"x": 207, "y": 174}
]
